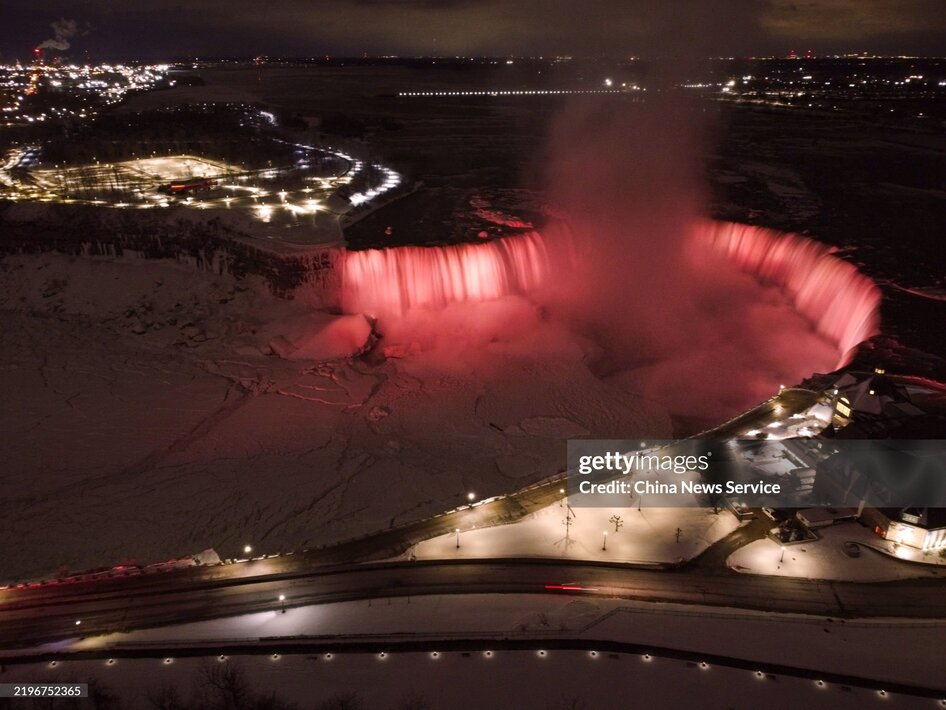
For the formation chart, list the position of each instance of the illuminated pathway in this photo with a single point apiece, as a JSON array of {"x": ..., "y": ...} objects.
[{"x": 255, "y": 192}]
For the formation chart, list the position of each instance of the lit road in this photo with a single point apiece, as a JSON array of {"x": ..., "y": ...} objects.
[
  {"x": 178, "y": 598},
  {"x": 786, "y": 403}
]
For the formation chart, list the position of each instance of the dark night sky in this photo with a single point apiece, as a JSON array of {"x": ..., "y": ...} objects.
[{"x": 154, "y": 29}]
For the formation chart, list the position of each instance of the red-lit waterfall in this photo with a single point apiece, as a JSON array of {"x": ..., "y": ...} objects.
[
  {"x": 832, "y": 294},
  {"x": 391, "y": 281}
]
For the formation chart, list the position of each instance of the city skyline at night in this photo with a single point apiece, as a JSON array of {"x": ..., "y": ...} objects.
[{"x": 297, "y": 28}]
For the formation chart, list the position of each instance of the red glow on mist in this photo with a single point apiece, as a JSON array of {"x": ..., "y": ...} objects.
[{"x": 840, "y": 301}]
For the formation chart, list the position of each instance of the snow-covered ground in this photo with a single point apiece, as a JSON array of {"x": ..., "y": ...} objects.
[
  {"x": 145, "y": 416},
  {"x": 825, "y": 558},
  {"x": 646, "y": 535},
  {"x": 447, "y": 677},
  {"x": 804, "y": 424},
  {"x": 177, "y": 411}
]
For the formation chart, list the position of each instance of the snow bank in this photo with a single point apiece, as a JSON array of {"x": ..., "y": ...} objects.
[{"x": 321, "y": 337}]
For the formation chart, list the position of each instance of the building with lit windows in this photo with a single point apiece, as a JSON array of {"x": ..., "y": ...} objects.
[{"x": 922, "y": 528}]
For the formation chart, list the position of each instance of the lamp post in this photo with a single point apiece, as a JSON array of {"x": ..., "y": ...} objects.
[
  {"x": 471, "y": 497},
  {"x": 247, "y": 549},
  {"x": 604, "y": 542},
  {"x": 561, "y": 503},
  {"x": 282, "y": 602},
  {"x": 457, "y": 531},
  {"x": 782, "y": 556}
]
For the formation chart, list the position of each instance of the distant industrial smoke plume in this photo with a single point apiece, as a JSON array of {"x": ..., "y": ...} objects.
[{"x": 63, "y": 31}]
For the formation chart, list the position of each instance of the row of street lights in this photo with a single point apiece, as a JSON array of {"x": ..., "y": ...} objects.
[
  {"x": 471, "y": 498},
  {"x": 247, "y": 549}
]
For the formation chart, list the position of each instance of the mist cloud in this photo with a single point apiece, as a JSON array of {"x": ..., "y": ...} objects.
[
  {"x": 671, "y": 320},
  {"x": 63, "y": 31}
]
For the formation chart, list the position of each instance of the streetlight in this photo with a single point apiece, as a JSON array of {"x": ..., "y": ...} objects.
[
  {"x": 604, "y": 543},
  {"x": 471, "y": 497},
  {"x": 457, "y": 531},
  {"x": 282, "y": 601},
  {"x": 247, "y": 549},
  {"x": 782, "y": 556},
  {"x": 561, "y": 503}
]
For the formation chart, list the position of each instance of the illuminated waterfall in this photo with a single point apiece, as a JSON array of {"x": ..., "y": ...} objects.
[
  {"x": 832, "y": 294},
  {"x": 840, "y": 301},
  {"x": 391, "y": 281}
]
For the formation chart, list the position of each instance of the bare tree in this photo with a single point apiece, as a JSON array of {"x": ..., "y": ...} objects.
[
  {"x": 617, "y": 521},
  {"x": 569, "y": 703},
  {"x": 341, "y": 701},
  {"x": 412, "y": 701},
  {"x": 101, "y": 697},
  {"x": 166, "y": 697},
  {"x": 225, "y": 685},
  {"x": 272, "y": 702}
]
